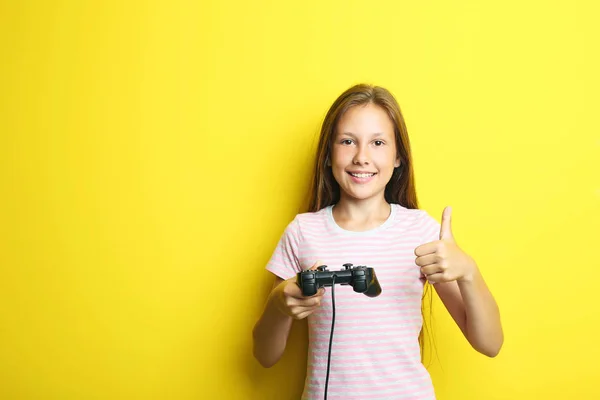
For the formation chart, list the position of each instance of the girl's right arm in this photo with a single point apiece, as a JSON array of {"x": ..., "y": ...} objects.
[{"x": 284, "y": 304}]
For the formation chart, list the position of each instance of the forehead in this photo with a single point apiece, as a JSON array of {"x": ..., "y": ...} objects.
[{"x": 365, "y": 120}]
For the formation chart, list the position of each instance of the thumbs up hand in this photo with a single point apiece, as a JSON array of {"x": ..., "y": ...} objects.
[{"x": 442, "y": 260}]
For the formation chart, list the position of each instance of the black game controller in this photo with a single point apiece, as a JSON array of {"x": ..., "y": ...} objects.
[{"x": 361, "y": 278}]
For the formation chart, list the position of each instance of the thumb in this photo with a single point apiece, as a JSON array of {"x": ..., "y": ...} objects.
[
  {"x": 313, "y": 268},
  {"x": 446, "y": 228}
]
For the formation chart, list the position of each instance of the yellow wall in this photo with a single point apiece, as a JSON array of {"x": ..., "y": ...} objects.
[{"x": 152, "y": 152}]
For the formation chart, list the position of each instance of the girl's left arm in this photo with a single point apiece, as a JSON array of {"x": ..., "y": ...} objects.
[
  {"x": 472, "y": 306},
  {"x": 461, "y": 287}
]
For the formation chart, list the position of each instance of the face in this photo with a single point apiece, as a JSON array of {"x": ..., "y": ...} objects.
[{"x": 364, "y": 152}]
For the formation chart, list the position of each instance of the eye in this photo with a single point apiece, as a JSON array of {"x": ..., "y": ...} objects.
[
  {"x": 347, "y": 142},
  {"x": 379, "y": 143}
]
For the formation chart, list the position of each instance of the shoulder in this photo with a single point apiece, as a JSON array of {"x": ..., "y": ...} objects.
[
  {"x": 423, "y": 225},
  {"x": 311, "y": 220},
  {"x": 418, "y": 221},
  {"x": 308, "y": 221},
  {"x": 313, "y": 216},
  {"x": 413, "y": 215}
]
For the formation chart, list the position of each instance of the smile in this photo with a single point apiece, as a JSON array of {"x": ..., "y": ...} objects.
[
  {"x": 361, "y": 178},
  {"x": 362, "y": 175}
]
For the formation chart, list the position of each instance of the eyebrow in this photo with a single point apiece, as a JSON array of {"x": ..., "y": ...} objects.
[{"x": 376, "y": 134}]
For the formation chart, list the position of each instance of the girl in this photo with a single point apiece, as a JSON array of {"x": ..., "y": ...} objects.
[{"x": 364, "y": 211}]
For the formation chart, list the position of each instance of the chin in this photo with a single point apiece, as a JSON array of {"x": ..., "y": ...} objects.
[{"x": 363, "y": 194}]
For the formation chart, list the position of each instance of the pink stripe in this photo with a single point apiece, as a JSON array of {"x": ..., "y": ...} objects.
[{"x": 321, "y": 346}]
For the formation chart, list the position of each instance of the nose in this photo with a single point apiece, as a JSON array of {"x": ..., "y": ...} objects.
[{"x": 361, "y": 157}]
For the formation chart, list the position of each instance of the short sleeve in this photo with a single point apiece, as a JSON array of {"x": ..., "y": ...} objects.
[
  {"x": 285, "y": 261},
  {"x": 430, "y": 228}
]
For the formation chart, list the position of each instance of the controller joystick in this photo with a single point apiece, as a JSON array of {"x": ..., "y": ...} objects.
[{"x": 361, "y": 278}]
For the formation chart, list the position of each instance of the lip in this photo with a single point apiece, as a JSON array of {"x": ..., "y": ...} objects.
[
  {"x": 361, "y": 180},
  {"x": 361, "y": 172}
]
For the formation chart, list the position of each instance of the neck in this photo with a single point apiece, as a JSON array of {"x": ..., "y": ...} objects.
[{"x": 361, "y": 213}]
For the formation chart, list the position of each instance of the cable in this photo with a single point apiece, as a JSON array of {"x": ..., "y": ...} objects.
[{"x": 331, "y": 334}]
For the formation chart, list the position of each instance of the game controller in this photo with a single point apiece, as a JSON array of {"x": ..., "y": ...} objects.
[{"x": 361, "y": 278}]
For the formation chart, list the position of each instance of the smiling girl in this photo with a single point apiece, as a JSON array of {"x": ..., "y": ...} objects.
[{"x": 364, "y": 211}]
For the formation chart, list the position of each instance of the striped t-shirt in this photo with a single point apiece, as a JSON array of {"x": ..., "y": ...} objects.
[{"x": 375, "y": 351}]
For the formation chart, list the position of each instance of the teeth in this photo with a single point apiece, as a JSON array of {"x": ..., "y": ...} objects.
[{"x": 362, "y": 175}]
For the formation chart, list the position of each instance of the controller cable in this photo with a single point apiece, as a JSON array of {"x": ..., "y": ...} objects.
[{"x": 331, "y": 334}]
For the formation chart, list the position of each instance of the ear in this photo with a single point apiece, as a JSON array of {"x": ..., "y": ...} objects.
[{"x": 397, "y": 163}]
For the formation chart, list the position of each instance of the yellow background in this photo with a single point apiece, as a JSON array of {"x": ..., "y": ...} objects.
[{"x": 151, "y": 154}]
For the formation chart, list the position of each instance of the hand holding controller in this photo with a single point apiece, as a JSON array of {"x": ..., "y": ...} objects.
[{"x": 361, "y": 278}]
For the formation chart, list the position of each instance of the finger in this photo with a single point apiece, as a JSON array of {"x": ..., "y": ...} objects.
[
  {"x": 431, "y": 270},
  {"x": 427, "y": 260},
  {"x": 299, "y": 310},
  {"x": 446, "y": 226},
  {"x": 303, "y": 301},
  {"x": 427, "y": 248},
  {"x": 317, "y": 264},
  {"x": 294, "y": 291},
  {"x": 435, "y": 278},
  {"x": 302, "y": 307},
  {"x": 303, "y": 314},
  {"x": 313, "y": 301},
  {"x": 296, "y": 310},
  {"x": 297, "y": 292}
]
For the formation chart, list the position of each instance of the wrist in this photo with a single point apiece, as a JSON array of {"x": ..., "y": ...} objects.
[
  {"x": 277, "y": 301},
  {"x": 471, "y": 272}
]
